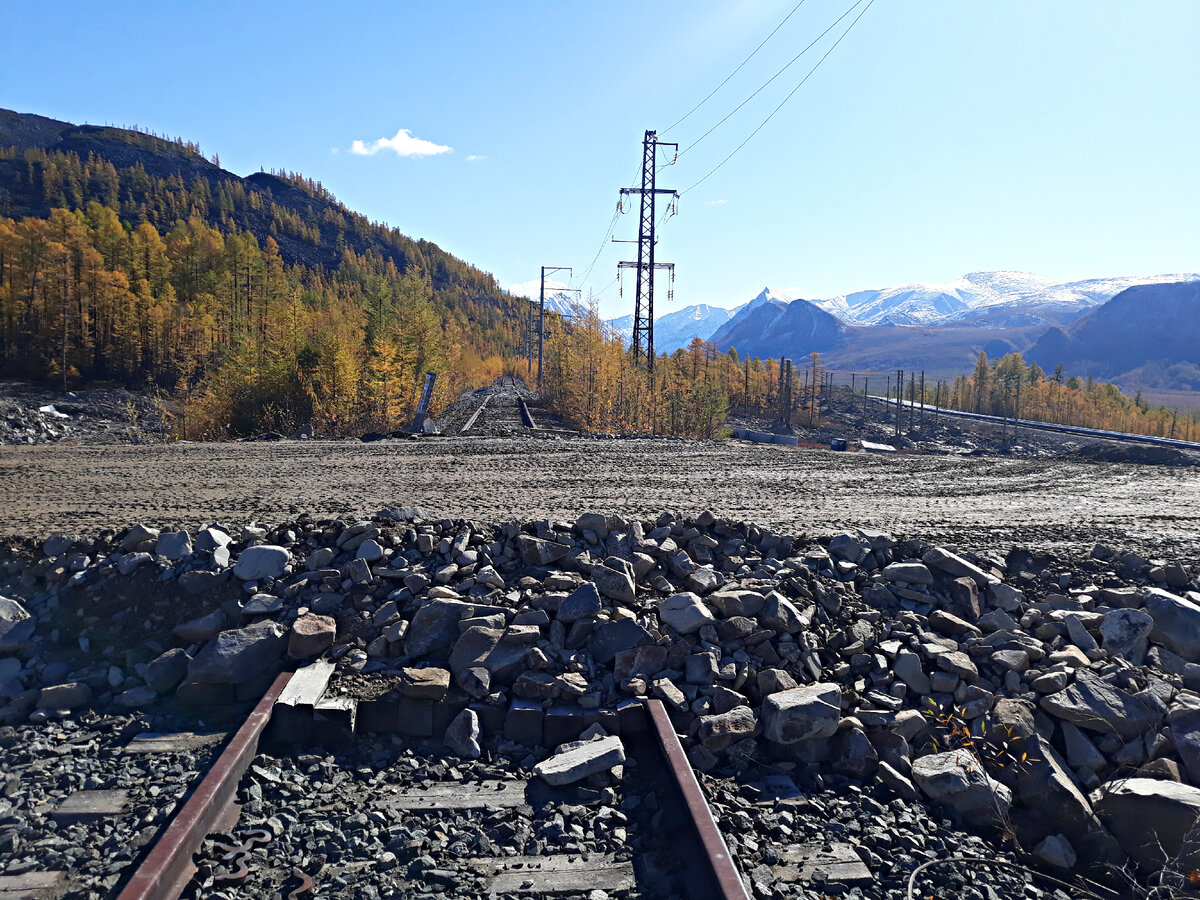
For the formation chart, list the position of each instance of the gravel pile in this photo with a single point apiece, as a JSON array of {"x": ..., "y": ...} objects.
[
  {"x": 329, "y": 817},
  {"x": 45, "y": 764},
  {"x": 31, "y": 415},
  {"x": 764, "y": 814},
  {"x": 1052, "y": 699}
]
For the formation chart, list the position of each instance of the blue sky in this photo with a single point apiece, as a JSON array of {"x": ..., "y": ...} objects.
[{"x": 941, "y": 136}]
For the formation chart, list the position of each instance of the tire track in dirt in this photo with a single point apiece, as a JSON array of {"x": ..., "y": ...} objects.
[{"x": 979, "y": 501}]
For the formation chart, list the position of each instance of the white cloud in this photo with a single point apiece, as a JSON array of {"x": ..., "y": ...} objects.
[
  {"x": 715, "y": 202},
  {"x": 475, "y": 158},
  {"x": 532, "y": 288},
  {"x": 403, "y": 144}
]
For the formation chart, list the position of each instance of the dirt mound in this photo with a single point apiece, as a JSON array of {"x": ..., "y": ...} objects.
[
  {"x": 1142, "y": 454},
  {"x": 31, "y": 414}
]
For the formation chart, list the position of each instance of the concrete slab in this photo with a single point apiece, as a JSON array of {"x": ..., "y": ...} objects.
[
  {"x": 581, "y": 761},
  {"x": 308, "y": 685}
]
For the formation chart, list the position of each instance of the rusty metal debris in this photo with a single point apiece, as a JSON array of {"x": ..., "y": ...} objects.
[{"x": 235, "y": 859}]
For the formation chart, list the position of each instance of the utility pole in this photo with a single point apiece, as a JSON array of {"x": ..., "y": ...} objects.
[
  {"x": 787, "y": 395},
  {"x": 899, "y": 397},
  {"x": 922, "y": 398},
  {"x": 541, "y": 325},
  {"x": 529, "y": 341},
  {"x": 643, "y": 309}
]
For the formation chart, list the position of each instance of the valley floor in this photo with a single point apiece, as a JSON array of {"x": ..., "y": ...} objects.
[{"x": 991, "y": 502}]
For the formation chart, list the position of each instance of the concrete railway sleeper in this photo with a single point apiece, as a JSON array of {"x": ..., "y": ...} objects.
[{"x": 353, "y": 807}]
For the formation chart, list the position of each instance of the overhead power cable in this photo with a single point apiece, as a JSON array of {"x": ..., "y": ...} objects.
[
  {"x": 735, "y": 71},
  {"x": 784, "y": 100},
  {"x": 600, "y": 293},
  {"x": 793, "y": 60},
  {"x": 612, "y": 226},
  {"x": 603, "y": 243}
]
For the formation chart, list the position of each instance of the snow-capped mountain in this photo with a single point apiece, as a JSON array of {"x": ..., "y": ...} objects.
[
  {"x": 563, "y": 303},
  {"x": 996, "y": 299},
  {"x": 676, "y": 329},
  {"x": 624, "y": 327},
  {"x": 770, "y": 325},
  {"x": 1148, "y": 323}
]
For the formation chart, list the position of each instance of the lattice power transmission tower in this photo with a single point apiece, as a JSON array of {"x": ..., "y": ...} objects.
[{"x": 643, "y": 309}]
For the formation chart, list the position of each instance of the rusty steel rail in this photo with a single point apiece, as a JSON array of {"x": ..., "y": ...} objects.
[
  {"x": 727, "y": 880},
  {"x": 526, "y": 415},
  {"x": 165, "y": 870},
  {"x": 475, "y": 415}
]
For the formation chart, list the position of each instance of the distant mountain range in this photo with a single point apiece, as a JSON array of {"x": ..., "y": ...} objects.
[
  {"x": 1149, "y": 324},
  {"x": 1132, "y": 330},
  {"x": 992, "y": 299},
  {"x": 671, "y": 331}
]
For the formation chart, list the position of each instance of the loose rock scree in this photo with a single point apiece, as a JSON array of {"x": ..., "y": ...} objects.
[{"x": 895, "y": 699}]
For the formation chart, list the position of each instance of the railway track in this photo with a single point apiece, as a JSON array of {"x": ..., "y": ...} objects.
[
  {"x": 1119, "y": 436},
  {"x": 383, "y": 814},
  {"x": 501, "y": 412}
]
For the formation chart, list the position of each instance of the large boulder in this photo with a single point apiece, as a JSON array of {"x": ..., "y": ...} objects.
[
  {"x": 201, "y": 629},
  {"x": 956, "y": 779},
  {"x": 163, "y": 673},
  {"x": 1176, "y": 622},
  {"x": 473, "y": 647},
  {"x": 210, "y": 538},
  {"x": 311, "y": 636},
  {"x": 718, "y": 732},
  {"x": 574, "y": 762},
  {"x": 1151, "y": 818},
  {"x": 263, "y": 561},
  {"x": 1045, "y": 787},
  {"x": 58, "y": 543},
  {"x": 582, "y": 603},
  {"x": 610, "y": 638},
  {"x": 463, "y": 735},
  {"x": 908, "y": 573},
  {"x": 1126, "y": 632},
  {"x": 614, "y": 583},
  {"x": 137, "y": 536},
  {"x": 240, "y": 654},
  {"x": 854, "y": 755},
  {"x": 539, "y": 552},
  {"x": 802, "y": 713},
  {"x": 1184, "y": 719},
  {"x": 779, "y": 613},
  {"x": 16, "y": 627},
  {"x": 435, "y": 626},
  {"x": 952, "y": 563},
  {"x": 907, "y": 667},
  {"x": 1096, "y": 705},
  {"x": 174, "y": 545},
  {"x": 64, "y": 696},
  {"x": 685, "y": 612}
]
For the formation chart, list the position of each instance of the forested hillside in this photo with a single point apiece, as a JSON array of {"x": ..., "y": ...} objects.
[{"x": 261, "y": 301}]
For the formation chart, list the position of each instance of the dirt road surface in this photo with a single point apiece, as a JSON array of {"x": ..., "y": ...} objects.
[{"x": 981, "y": 503}]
